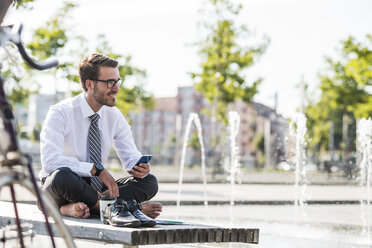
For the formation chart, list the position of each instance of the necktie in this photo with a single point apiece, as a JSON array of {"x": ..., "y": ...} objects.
[{"x": 95, "y": 149}]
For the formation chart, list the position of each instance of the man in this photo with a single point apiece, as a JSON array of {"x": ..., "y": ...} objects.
[{"x": 75, "y": 141}]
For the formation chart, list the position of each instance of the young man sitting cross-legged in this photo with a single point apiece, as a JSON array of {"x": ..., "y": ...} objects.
[{"x": 75, "y": 141}]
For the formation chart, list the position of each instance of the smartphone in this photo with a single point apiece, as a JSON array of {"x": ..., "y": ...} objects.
[{"x": 144, "y": 159}]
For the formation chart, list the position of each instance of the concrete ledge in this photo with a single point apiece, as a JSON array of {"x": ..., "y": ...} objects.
[
  {"x": 93, "y": 229},
  {"x": 241, "y": 202},
  {"x": 263, "y": 202}
]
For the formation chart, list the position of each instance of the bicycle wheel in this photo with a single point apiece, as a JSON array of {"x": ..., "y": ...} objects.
[{"x": 13, "y": 177}]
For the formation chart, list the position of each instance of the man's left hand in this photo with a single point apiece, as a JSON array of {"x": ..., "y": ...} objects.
[{"x": 140, "y": 170}]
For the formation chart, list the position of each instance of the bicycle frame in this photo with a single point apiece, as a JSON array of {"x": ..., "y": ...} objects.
[
  {"x": 4, "y": 5},
  {"x": 9, "y": 142},
  {"x": 10, "y": 153}
]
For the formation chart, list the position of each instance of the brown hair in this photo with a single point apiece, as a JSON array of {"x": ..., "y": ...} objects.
[{"x": 89, "y": 67}]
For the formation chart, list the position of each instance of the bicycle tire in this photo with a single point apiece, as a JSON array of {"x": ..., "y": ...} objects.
[{"x": 14, "y": 177}]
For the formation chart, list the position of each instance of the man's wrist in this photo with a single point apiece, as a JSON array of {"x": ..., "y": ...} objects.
[
  {"x": 98, "y": 169},
  {"x": 93, "y": 170}
]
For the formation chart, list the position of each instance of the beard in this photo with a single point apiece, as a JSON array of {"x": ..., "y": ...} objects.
[{"x": 99, "y": 96}]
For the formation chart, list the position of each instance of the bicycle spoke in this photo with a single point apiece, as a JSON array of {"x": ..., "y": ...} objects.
[{"x": 18, "y": 222}]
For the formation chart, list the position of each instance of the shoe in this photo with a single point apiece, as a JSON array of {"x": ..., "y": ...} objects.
[
  {"x": 136, "y": 211},
  {"x": 117, "y": 214}
]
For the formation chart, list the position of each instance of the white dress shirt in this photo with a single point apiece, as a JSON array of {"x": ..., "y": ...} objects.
[{"x": 64, "y": 137}]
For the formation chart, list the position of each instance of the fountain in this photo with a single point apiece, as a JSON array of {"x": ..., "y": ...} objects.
[
  {"x": 324, "y": 225},
  {"x": 364, "y": 138},
  {"x": 234, "y": 166},
  {"x": 193, "y": 117},
  {"x": 298, "y": 130}
]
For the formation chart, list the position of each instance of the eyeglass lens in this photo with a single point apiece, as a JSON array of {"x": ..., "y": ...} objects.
[{"x": 112, "y": 83}]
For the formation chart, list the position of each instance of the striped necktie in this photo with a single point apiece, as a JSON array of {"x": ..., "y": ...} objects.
[{"x": 95, "y": 149}]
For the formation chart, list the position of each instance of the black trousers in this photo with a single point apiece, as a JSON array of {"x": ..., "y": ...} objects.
[{"x": 65, "y": 186}]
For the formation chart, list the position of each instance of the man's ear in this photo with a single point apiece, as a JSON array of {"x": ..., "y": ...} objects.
[{"x": 89, "y": 84}]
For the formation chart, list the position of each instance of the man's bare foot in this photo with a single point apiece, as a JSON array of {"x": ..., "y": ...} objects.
[
  {"x": 77, "y": 210},
  {"x": 151, "y": 209}
]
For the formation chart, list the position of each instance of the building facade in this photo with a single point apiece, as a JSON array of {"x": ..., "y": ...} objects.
[
  {"x": 31, "y": 117},
  {"x": 154, "y": 130},
  {"x": 161, "y": 131}
]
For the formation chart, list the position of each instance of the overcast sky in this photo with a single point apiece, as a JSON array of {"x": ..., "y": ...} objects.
[{"x": 158, "y": 34}]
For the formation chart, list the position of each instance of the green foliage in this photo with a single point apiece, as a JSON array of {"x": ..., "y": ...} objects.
[
  {"x": 48, "y": 40},
  {"x": 76, "y": 92},
  {"x": 128, "y": 98},
  {"x": 344, "y": 96},
  {"x": 194, "y": 142},
  {"x": 224, "y": 61},
  {"x": 15, "y": 91},
  {"x": 131, "y": 98},
  {"x": 35, "y": 135},
  {"x": 19, "y": 95},
  {"x": 259, "y": 145},
  {"x": 23, "y": 135},
  {"x": 259, "y": 142},
  {"x": 22, "y": 3},
  {"x": 56, "y": 39}
]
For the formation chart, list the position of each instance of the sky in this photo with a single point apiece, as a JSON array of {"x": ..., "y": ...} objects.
[{"x": 158, "y": 35}]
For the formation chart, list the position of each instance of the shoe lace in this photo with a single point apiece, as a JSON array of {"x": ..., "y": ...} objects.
[{"x": 121, "y": 207}]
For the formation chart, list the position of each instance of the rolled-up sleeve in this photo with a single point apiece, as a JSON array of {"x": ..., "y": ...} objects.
[{"x": 52, "y": 142}]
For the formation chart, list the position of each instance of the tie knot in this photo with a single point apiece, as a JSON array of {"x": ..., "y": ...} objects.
[{"x": 94, "y": 117}]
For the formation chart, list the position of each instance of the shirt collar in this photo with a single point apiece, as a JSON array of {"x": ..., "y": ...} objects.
[{"x": 86, "y": 110}]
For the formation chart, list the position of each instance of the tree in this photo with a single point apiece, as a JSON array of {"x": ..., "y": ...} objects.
[
  {"x": 225, "y": 56},
  {"x": 48, "y": 41},
  {"x": 51, "y": 40},
  {"x": 194, "y": 143},
  {"x": 15, "y": 91},
  {"x": 22, "y": 3},
  {"x": 53, "y": 37},
  {"x": 57, "y": 39},
  {"x": 344, "y": 97},
  {"x": 128, "y": 98},
  {"x": 225, "y": 59},
  {"x": 259, "y": 144}
]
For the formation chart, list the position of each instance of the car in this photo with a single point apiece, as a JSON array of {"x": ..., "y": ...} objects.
[{"x": 285, "y": 166}]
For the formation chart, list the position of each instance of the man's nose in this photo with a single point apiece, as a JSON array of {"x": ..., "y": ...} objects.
[{"x": 116, "y": 88}]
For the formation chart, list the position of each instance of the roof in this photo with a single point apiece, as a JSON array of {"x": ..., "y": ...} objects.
[{"x": 166, "y": 103}]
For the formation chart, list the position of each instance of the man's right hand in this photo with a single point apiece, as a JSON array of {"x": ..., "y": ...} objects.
[{"x": 110, "y": 182}]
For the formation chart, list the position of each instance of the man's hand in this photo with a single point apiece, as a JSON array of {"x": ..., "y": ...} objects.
[
  {"x": 140, "y": 170},
  {"x": 110, "y": 182}
]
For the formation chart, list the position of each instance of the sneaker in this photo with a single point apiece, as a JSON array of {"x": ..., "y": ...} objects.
[
  {"x": 117, "y": 214},
  {"x": 136, "y": 211}
]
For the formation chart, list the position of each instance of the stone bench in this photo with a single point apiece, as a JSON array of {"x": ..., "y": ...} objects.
[{"x": 93, "y": 229}]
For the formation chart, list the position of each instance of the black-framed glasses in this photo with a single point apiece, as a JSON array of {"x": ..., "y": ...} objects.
[{"x": 110, "y": 82}]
